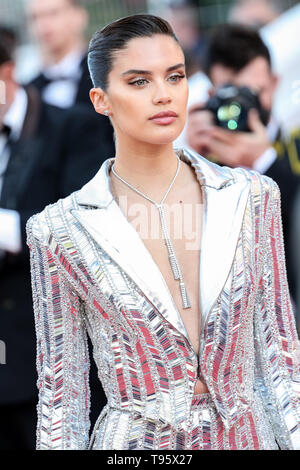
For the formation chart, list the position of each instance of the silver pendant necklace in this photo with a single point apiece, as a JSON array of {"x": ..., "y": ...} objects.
[{"x": 172, "y": 257}]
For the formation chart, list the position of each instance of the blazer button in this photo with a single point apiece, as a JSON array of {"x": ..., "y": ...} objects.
[{"x": 8, "y": 304}]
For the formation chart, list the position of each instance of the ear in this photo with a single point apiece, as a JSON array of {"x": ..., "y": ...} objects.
[{"x": 99, "y": 99}]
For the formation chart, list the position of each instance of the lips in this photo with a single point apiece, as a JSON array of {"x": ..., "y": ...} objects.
[
  {"x": 164, "y": 114},
  {"x": 164, "y": 118}
]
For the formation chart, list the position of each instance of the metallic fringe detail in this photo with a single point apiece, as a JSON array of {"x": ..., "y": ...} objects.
[
  {"x": 174, "y": 262},
  {"x": 185, "y": 298},
  {"x": 249, "y": 354},
  {"x": 174, "y": 266}
]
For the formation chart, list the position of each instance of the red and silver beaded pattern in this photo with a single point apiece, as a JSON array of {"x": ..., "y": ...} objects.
[{"x": 148, "y": 369}]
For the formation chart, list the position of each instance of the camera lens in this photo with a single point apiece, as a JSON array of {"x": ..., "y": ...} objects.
[{"x": 229, "y": 114}]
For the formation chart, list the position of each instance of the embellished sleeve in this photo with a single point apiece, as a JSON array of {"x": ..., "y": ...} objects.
[
  {"x": 277, "y": 349},
  {"x": 62, "y": 359}
]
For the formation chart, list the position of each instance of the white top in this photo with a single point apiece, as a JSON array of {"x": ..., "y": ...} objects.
[
  {"x": 263, "y": 163},
  {"x": 10, "y": 225},
  {"x": 62, "y": 93}
]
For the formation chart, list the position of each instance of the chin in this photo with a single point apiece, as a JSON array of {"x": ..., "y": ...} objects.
[
  {"x": 162, "y": 140},
  {"x": 166, "y": 136}
]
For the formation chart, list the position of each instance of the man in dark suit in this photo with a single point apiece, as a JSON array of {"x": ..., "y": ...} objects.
[
  {"x": 236, "y": 54},
  {"x": 45, "y": 154},
  {"x": 59, "y": 26}
]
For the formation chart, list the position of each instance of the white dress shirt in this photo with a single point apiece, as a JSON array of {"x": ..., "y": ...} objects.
[
  {"x": 62, "y": 93},
  {"x": 10, "y": 224},
  {"x": 264, "y": 161}
]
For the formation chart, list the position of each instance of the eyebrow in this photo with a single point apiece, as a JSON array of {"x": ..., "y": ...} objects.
[{"x": 147, "y": 72}]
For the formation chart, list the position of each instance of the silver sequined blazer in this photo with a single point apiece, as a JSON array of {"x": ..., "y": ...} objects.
[{"x": 92, "y": 274}]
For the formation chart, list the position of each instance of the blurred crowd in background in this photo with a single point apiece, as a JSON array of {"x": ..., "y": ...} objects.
[{"x": 243, "y": 68}]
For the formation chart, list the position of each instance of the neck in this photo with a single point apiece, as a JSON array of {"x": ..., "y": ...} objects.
[
  {"x": 56, "y": 55},
  {"x": 148, "y": 168}
]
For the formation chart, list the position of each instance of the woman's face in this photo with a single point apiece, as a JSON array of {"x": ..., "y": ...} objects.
[{"x": 148, "y": 77}]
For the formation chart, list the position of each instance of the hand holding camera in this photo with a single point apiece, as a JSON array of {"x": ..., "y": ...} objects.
[{"x": 230, "y": 128}]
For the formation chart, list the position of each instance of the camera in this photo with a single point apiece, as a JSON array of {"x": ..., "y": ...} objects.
[{"x": 230, "y": 107}]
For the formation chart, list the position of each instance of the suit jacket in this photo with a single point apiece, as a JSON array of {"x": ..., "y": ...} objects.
[
  {"x": 295, "y": 237},
  {"x": 92, "y": 274},
  {"x": 286, "y": 172},
  {"x": 84, "y": 84},
  {"x": 58, "y": 151}
]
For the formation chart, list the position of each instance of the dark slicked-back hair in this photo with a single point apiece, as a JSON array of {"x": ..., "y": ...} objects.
[
  {"x": 113, "y": 37},
  {"x": 234, "y": 46}
]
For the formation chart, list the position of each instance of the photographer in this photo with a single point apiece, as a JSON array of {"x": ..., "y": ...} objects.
[{"x": 236, "y": 55}]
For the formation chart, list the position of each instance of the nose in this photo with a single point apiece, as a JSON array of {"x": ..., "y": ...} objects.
[{"x": 162, "y": 94}]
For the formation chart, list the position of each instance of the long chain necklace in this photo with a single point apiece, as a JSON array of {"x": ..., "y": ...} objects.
[{"x": 172, "y": 257}]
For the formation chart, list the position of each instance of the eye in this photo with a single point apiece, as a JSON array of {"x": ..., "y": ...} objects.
[
  {"x": 141, "y": 81},
  {"x": 177, "y": 77},
  {"x": 138, "y": 82}
]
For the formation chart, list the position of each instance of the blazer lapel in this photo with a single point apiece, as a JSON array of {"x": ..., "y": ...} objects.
[
  {"x": 111, "y": 230},
  {"x": 224, "y": 205},
  {"x": 224, "y": 200},
  {"x": 223, "y": 216}
]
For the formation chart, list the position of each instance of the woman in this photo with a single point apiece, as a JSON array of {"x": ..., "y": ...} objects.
[{"x": 193, "y": 352}]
